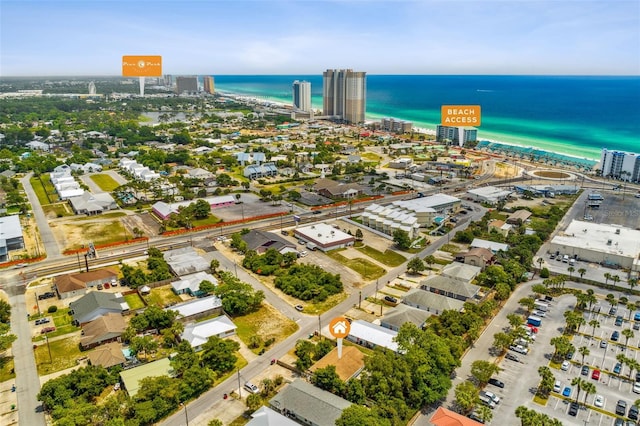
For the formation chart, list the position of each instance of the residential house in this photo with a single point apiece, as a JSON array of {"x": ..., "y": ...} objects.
[
  {"x": 261, "y": 241},
  {"x": 480, "y": 257},
  {"x": 431, "y": 302},
  {"x": 185, "y": 261},
  {"x": 11, "y": 236},
  {"x": 308, "y": 404},
  {"x": 449, "y": 287},
  {"x": 95, "y": 304},
  {"x": 347, "y": 367},
  {"x": 107, "y": 356},
  {"x": 334, "y": 189},
  {"x": 394, "y": 318},
  {"x": 190, "y": 284},
  {"x": 197, "y": 308},
  {"x": 371, "y": 335},
  {"x": 518, "y": 217},
  {"x": 199, "y": 173},
  {"x": 265, "y": 416},
  {"x": 259, "y": 171},
  {"x": 105, "y": 329},
  {"x": 198, "y": 333},
  {"x": 92, "y": 204},
  {"x": 499, "y": 226},
  {"x": 70, "y": 285},
  {"x": 444, "y": 417},
  {"x": 491, "y": 245},
  {"x": 460, "y": 272},
  {"x": 163, "y": 210}
]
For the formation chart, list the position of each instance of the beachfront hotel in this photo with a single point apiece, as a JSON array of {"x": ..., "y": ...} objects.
[
  {"x": 456, "y": 135},
  {"x": 302, "y": 96},
  {"x": 620, "y": 165},
  {"x": 344, "y": 95},
  {"x": 209, "y": 86},
  {"x": 186, "y": 84}
]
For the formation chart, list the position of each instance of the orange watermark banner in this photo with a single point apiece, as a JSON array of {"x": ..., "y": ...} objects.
[
  {"x": 141, "y": 66},
  {"x": 460, "y": 115}
]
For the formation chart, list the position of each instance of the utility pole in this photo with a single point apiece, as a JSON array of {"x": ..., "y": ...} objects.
[
  {"x": 319, "y": 327},
  {"x": 239, "y": 387},
  {"x": 360, "y": 299}
]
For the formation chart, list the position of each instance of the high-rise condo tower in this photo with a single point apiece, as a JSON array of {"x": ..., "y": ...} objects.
[
  {"x": 344, "y": 95},
  {"x": 302, "y": 96}
]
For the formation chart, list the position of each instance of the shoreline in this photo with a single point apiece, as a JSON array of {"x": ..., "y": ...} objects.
[{"x": 372, "y": 117}]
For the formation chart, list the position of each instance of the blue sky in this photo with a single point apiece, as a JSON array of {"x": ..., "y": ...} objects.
[{"x": 89, "y": 37}]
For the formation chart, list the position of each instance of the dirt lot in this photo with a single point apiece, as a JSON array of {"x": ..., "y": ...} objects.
[
  {"x": 145, "y": 222},
  {"x": 77, "y": 233}
]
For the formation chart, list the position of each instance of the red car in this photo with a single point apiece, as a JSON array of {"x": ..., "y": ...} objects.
[{"x": 595, "y": 375}]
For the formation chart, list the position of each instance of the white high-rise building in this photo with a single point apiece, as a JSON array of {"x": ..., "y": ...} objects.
[
  {"x": 302, "y": 96},
  {"x": 92, "y": 88},
  {"x": 344, "y": 95},
  {"x": 620, "y": 165}
]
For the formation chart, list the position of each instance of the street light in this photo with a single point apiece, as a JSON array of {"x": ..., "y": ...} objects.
[{"x": 186, "y": 415}]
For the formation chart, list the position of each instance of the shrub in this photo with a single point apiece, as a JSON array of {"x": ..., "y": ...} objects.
[
  {"x": 544, "y": 273},
  {"x": 52, "y": 309}
]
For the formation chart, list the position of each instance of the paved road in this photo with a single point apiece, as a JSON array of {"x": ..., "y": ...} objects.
[
  {"x": 48, "y": 239},
  {"x": 27, "y": 380}
]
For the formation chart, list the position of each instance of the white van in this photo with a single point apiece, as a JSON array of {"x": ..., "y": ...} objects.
[
  {"x": 572, "y": 262},
  {"x": 565, "y": 258}
]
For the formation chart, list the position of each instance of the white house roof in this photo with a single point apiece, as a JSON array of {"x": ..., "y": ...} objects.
[
  {"x": 10, "y": 227},
  {"x": 198, "y": 333},
  {"x": 265, "y": 416},
  {"x": 164, "y": 209},
  {"x": 323, "y": 233},
  {"x": 192, "y": 281},
  {"x": 196, "y": 306},
  {"x": 375, "y": 334},
  {"x": 493, "y": 246}
]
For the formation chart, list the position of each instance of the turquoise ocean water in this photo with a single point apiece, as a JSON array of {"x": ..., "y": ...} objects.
[{"x": 572, "y": 115}]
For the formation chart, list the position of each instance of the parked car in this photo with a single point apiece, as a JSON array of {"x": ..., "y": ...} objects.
[
  {"x": 100, "y": 287},
  {"x": 615, "y": 336},
  {"x": 391, "y": 299},
  {"x": 46, "y": 330},
  {"x": 495, "y": 398},
  {"x": 299, "y": 308},
  {"x": 598, "y": 401},
  {"x": 633, "y": 412},
  {"x": 476, "y": 417},
  {"x": 617, "y": 368},
  {"x": 251, "y": 387},
  {"x": 540, "y": 314},
  {"x": 636, "y": 387},
  {"x": 512, "y": 357},
  {"x": 613, "y": 310},
  {"x": 42, "y": 321},
  {"x": 520, "y": 349},
  {"x": 569, "y": 355},
  {"x": 636, "y": 317},
  {"x": 565, "y": 365},
  {"x": 585, "y": 370},
  {"x": 566, "y": 391},
  {"x": 573, "y": 409},
  {"x": 595, "y": 375},
  {"x": 603, "y": 343},
  {"x": 621, "y": 407},
  {"x": 557, "y": 387},
  {"x": 496, "y": 382},
  {"x": 619, "y": 320}
]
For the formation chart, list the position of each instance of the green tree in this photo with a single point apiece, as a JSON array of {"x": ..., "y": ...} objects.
[
  {"x": 582, "y": 271},
  {"x": 206, "y": 287},
  {"x": 467, "y": 396},
  {"x": 482, "y": 371},
  {"x": 584, "y": 351},
  {"x": 594, "y": 323},
  {"x": 415, "y": 265},
  {"x": 547, "y": 381},
  {"x": 358, "y": 415},
  {"x": 485, "y": 413},
  {"x": 571, "y": 269},
  {"x": 327, "y": 379},
  {"x": 238, "y": 298},
  {"x": 562, "y": 347},
  {"x": 401, "y": 238},
  {"x": 528, "y": 303},
  {"x": 214, "y": 265},
  {"x": 628, "y": 334},
  {"x": 578, "y": 383},
  {"x": 219, "y": 354},
  {"x": 502, "y": 341},
  {"x": 430, "y": 260},
  {"x": 359, "y": 236}
]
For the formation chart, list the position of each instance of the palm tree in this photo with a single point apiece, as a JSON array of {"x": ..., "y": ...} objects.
[
  {"x": 615, "y": 279},
  {"x": 607, "y": 277},
  {"x": 485, "y": 413},
  {"x": 631, "y": 306},
  {"x": 632, "y": 283},
  {"x": 582, "y": 271},
  {"x": 584, "y": 351},
  {"x": 588, "y": 388},
  {"x": 628, "y": 334},
  {"x": 622, "y": 359},
  {"x": 570, "y": 269},
  {"x": 578, "y": 382},
  {"x": 633, "y": 365},
  {"x": 540, "y": 262},
  {"x": 595, "y": 324},
  {"x": 611, "y": 299}
]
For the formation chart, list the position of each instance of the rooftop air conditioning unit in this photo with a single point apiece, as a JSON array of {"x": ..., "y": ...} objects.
[
  {"x": 608, "y": 242},
  {"x": 617, "y": 231}
]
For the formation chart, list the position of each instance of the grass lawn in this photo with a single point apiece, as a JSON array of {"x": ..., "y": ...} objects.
[
  {"x": 64, "y": 353},
  {"x": 366, "y": 269},
  {"x": 111, "y": 215},
  {"x": 208, "y": 221},
  {"x": 62, "y": 322},
  {"x": 134, "y": 301},
  {"x": 41, "y": 188},
  {"x": 389, "y": 258},
  {"x": 58, "y": 209},
  {"x": 450, "y": 248},
  {"x": 321, "y": 307},
  {"x": 6, "y": 369},
  {"x": 162, "y": 296},
  {"x": 105, "y": 182},
  {"x": 266, "y": 323},
  {"x": 99, "y": 233}
]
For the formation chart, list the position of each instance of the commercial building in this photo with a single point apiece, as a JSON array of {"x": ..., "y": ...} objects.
[
  {"x": 409, "y": 215},
  {"x": 344, "y": 95},
  {"x": 302, "y": 96},
  {"x": 209, "y": 85},
  {"x": 489, "y": 194},
  {"x": 396, "y": 126},
  {"x": 609, "y": 245},
  {"x": 620, "y": 165},
  {"x": 10, "y": 236},
  {"x": 186, "y": 84},
  {"x": 324, "y": 237},
  {"x": 456, "y": 135}
]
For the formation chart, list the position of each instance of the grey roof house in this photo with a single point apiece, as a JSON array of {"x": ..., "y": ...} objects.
[
  {"x": 308, "y": 404},
  {"x": 261, "y": 241},
  {"x": 431, "y": 302},
  {"x": 450, "y": 288},
  {"x": 95, "y": 304}
]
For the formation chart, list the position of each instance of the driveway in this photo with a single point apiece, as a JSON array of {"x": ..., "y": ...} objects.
[{"x": 48, "y": 239}]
